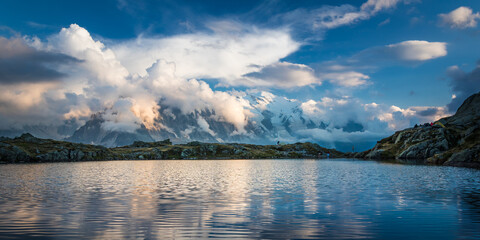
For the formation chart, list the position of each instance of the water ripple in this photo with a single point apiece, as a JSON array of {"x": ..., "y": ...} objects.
[{"x": 268, "y": 199}]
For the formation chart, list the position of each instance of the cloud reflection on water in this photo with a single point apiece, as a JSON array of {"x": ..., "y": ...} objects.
[{"x": 238, "y": 199}]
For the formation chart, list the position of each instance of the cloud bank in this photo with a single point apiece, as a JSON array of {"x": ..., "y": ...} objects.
[{"x": 340, "y": 120}]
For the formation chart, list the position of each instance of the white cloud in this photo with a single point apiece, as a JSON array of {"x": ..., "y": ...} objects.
[
  {"x": 330, "y": 120},
  {"x": 333, "y": 17},
  {"x": 99, "y": 61},
  {"x": 100, "y": 83},
  {"x": 337, "y": 112},
  {"x": 462, "y": 17},
  {"x": 385, "y": 22},
  {"x": 347, "y": 78},
  {"x": 194, "y": 95},
  {"x": 202, "y": 123},
  {"x": 413, "y": 50},
  {"x": 227, "y": 54},
  {"x": 282, "y": 75},
  {"x": 100, "y": 77},
  {"x": 21, "y": 101},
  {"x": 330, "y": 136},
  {"x": 126, "y": 96},
  {"x": 345, "y": 72},
  {"x": 374, "y": 6},
  {"x": 120, "y": 117},
  {"x": 329, "y": 17}
]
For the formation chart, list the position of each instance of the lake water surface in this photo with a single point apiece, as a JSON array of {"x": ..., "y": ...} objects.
[{"x": 306, "y": 199}]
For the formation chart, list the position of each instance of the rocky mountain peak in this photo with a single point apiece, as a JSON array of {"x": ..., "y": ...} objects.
[
  {"x": 468, "y": 112},
  {"x": 453, "y": 141}
]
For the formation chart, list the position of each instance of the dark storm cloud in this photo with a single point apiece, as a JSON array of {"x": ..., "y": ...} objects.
[
  {"x": 463, "y": 85},
  {"x": 20, "y": 63}
]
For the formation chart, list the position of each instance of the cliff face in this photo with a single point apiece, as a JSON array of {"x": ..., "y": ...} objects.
[{"x": 456, "y": 143}]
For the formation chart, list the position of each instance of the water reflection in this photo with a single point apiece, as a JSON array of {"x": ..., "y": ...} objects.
[{"x": 333, "y": 199}]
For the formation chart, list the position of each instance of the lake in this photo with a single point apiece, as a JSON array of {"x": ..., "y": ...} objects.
[{"x": 268, "y": 199}]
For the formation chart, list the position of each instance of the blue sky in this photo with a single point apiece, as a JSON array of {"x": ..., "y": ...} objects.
[
  {"x": 402, "y": 84},
  {"x": 411, "y": 55}
]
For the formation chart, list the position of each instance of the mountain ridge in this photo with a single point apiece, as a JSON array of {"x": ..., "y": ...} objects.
[{"x": 27, "y": 148}]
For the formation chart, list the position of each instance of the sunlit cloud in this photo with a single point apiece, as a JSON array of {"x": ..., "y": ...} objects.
[{"x": 462, "y": 17}]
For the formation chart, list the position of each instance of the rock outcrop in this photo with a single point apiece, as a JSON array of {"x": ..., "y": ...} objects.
[
  {"x": 456, "y": 143},
  {"x": 28, "y": 148}
]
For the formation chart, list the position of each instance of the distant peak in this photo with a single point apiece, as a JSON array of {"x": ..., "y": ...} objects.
[{"x": 26, "y": 136}]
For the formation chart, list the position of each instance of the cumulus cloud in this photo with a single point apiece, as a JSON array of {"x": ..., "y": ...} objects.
[
  {"x": 120, "y": 117},
  {"x": 462, "y": 17},
  {"x": 97, "y": 81},
  {"x": 282, "y": 75},
  {"x": 101, "y": 78},
  {"x": 193, "y": 95},
  {"x": 403, "y": 118},
  {"x": 338, "y": 112},
  {"x": 98, "y": 60},
  {"x": 463, "y": 85},
  {"x": 413, "y": 50}
]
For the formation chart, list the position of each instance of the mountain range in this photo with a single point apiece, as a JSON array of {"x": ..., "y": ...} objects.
[{"x": 274, "y": 119}]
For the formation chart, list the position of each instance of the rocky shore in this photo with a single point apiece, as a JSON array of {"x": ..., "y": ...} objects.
[
  {"x": 28, "y": 148},
  {"x": 452, "y": 141}
]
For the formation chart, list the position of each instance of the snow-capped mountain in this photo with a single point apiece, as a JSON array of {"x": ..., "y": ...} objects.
[{"x": 272, "y": 119}]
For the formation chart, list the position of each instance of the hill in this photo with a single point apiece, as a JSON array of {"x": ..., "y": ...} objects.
[{"x": 28, "y": 148}]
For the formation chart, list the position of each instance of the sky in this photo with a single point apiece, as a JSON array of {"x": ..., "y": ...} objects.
[{"x": 401, "y": 62}]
